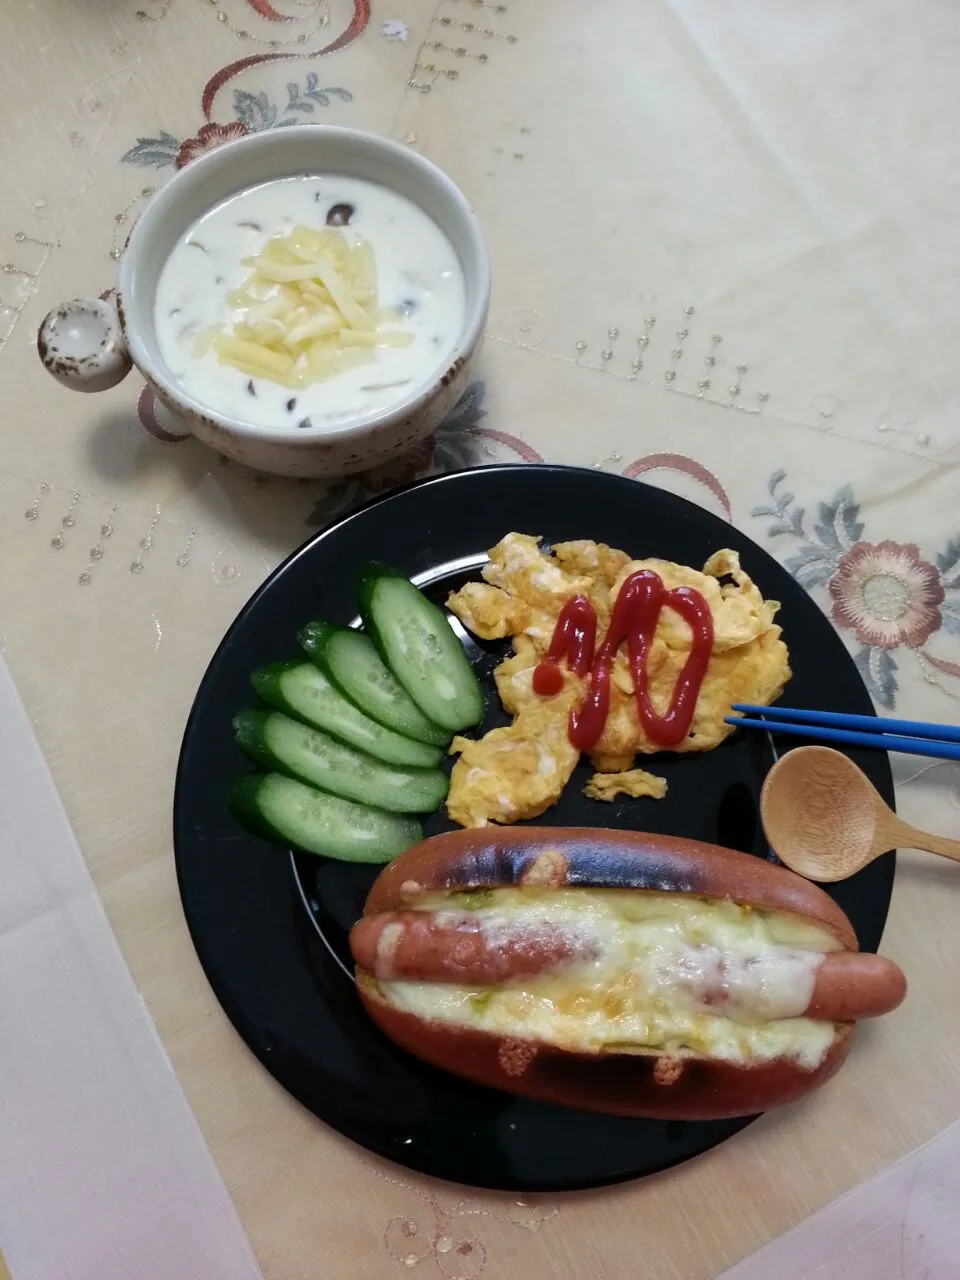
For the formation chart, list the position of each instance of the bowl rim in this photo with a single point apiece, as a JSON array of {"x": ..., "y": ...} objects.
[{"x": 147, "y": 356}]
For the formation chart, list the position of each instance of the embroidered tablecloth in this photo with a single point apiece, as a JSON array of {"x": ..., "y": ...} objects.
[{"x": 725, "y": 261}]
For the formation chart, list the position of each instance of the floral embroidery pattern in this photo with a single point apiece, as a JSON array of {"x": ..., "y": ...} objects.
[
  {"x": 948, "y": 566},
  {"x": 686, "y": 466},
  {"x": 209, "y": 137},
  {"x": 885, "y": 593},
  {"x": 460, "y": 442},
  {"x": 254, "y": 112},
  {"x": 355, "y": 28}
]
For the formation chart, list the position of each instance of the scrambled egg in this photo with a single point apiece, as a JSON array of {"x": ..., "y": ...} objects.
[
  {"x": 632, "y": 782},
  {"x": 518, "y": 772}
]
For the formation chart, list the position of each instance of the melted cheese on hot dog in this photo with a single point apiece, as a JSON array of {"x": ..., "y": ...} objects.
[{"x": 657, "y": 963}]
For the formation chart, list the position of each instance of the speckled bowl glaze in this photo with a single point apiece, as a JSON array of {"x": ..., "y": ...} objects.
[{"x": 90, "y": 345}]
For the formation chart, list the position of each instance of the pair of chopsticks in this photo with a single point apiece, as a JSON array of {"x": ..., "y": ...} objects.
[{"x": 915, "y": 737}]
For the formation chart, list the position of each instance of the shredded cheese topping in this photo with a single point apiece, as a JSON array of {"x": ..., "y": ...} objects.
[{"x": 307, "y": 311}]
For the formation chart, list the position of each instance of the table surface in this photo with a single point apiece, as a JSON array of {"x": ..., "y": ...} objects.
[{"x": 725, "y": 260}]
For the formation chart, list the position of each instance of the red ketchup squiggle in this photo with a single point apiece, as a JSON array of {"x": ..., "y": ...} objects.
[
  {"x": 635, "y": 616},
  {"x": 574, "y": 638}
]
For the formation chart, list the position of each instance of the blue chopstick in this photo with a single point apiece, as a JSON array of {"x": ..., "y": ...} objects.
[
  {"x": 880, "y": 741},
  {"x": 840, "y": 720}
]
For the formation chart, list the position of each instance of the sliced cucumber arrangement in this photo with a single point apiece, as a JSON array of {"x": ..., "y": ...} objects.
[
  {"x": 303, "y": 691},
  {"x": 417, "y": 643},
  {"x": 350, "y": 660},
  {"x": 296, "y": 815},
  {"x": 352, "y": 740},
  {"x": 287, "y": 746}
]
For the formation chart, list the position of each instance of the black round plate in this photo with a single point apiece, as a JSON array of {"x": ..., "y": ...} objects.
[{"x": 270, "y": 929}]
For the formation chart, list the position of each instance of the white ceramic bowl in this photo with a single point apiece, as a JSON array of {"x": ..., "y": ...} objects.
[{"x": 90, "y": 345}]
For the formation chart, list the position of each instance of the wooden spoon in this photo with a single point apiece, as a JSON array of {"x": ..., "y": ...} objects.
[{"x": 824, "y": 819}]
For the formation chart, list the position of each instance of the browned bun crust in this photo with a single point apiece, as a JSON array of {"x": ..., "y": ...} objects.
[
  {"x": 592, "y": 857},
  {"x": 652, "y": 1085}
]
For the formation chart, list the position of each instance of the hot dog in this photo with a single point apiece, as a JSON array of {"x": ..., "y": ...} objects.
[
  {"x": 447, "y": 946},
  {"x": 615, "y": 971}
]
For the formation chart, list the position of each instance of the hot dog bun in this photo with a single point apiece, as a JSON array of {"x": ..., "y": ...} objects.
[
  {"x": 653, "y": 1085},
  {"x": 504, "y": 955},
  {"x": 595, "y": 858}
]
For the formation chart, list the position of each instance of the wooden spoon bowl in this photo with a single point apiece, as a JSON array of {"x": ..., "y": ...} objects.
[{"x": 824, "y": 819}]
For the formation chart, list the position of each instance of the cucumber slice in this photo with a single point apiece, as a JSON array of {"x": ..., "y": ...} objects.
[
  {"x": 303, "y": 691},
  {"x": 287, "y": 746},
  {"x": 417, "y": 643},
  {"x": 298, "y": 817},
  {"x": 351, "y": 662}
]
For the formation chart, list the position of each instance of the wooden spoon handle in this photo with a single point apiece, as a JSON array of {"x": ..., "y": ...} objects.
[{"x": 913, "y": 838}]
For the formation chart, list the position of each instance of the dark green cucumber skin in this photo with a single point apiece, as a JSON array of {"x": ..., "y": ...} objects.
[
  {"x": 404, "y": 752},
  {"x": 243, "y": 803},
  {"x": 314, "y": 639},
  {"x": 250, "y": 728},
  {"x": 314, "y": 636},
  {"x": 367, "y": 580}
]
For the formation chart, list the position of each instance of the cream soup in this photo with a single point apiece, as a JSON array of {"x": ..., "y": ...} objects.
[{"x": 419, "y": 285}]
